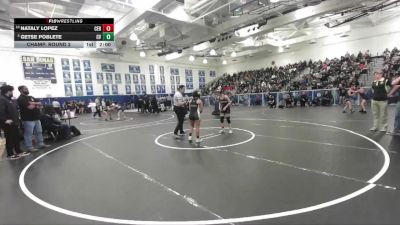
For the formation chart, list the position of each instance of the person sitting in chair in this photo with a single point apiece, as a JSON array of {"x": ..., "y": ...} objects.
[
  {"x": 289, "y": 100},
  {"x": 326, "y": 99},
  {"x": 51, "y": 124},
  {"x": 304, "y": 99},
  {"x": 271, "y": 101}
]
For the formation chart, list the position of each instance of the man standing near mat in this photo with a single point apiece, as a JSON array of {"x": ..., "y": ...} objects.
[
  {"x": 29, "y": 109},
  {"x": 9, "y": 122},
  {"x": 395, "y": 89},
  {"x": 180, "y": 110},
  {"x": 225, "y": 109}
]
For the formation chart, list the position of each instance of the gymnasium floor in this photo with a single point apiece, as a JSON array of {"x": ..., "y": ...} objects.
[{"x": 291, "y": 166}]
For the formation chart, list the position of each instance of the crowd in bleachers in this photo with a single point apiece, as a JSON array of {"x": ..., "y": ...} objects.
[{"x": 320, "y": 74}]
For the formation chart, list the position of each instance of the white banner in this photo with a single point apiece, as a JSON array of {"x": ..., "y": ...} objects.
[{"x": 41, "y": 84}]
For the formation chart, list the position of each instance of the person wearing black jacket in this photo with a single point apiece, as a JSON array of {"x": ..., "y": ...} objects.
[
  {"x": 304, "y": 99},
  {"x": 9, "y": 123}
]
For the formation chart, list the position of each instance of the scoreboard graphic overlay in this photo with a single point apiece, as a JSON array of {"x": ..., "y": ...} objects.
[{"x": 64, "y": 33}]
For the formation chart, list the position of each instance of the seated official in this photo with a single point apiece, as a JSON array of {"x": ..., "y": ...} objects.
[
  {"x": 271, "y": 101},
  {"x": 326, "y": 99},
  {"x": 304, "y": 99},
  {"x": 51, "y": 124},
  {"x": 289, "y": 101}
]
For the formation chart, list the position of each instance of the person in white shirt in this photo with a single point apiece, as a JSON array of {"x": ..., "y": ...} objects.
[
  {"x": 180, "y": 110},
  {"x": 57, "y": 107}
]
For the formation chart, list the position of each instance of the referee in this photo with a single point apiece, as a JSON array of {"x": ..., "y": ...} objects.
[{"x": 180, "y": 110}]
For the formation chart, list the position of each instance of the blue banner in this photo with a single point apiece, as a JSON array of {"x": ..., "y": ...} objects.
[
  {"x": 39, "y": 68},
  {"x": 109, "y": 78},
  {"x": 135, "y": 78},
  {"x": 89, "y": 89},
  {"x": 128, "y": 79},
  {"x": 67, "y": 77},
  {"x": 137, "y": 89},
  {"x": 65, "y": 64},
  {"x": 76, "y": 63},
  {"x": 142, "y": 79},
  {"x": 128, "y": 89},
  {"x": 100, "y": 78},
  {"x": 114, "y": 89},
  {"x": 134, "y": 69},
  {"x": 107, "y": 67},
  {"x": 162, "y": 79},
  {"x": 78, "y": 77},
  {"x": 151, "y": 69},
  {"x": 88, "y": 77},
  {"x": 68, "y": 90},
  {"x": 118, "y": 78},
  {"x": 106, "y": 89},
  {"x": 86, "y": 65},
  {"x": 78, "y": 89}
]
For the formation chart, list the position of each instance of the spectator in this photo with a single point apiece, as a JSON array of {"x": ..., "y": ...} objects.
[
  {"x": 327, "y": 98},
  {"x": 57, "y": 107},
  {"x": 271, "y": 101},
  {"x": 396, "y": 88},
  {"x": 304, "y": 99},
  {"x": 30, "y": 115},
  {"x": 363, "y": 99},
  {"x": 9, "y": 123},
  {"x": 379, "y": 101}
]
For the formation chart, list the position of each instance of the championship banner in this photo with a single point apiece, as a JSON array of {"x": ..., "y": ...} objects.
[
  {"x": 128, "y": 89},
  {"x": 152, "y": 79},
  {"x": 202, "y": 73},
  {"x": 78, "y": 89},
  {"x": 109, "y": 78},
  {"x": 144, "y": 89},
  {"x": 76, "y": 63},
  {"x": 151, "y": 69},
  {"x": 161, "y": 70},
  {"x": 128, "y": 79},
  {"x": 212, "y": 73},
  {"x": 65, "y": 64},
  {"x": 137, "y": 89},
  {"x": 100, "y": 78},
  {"x": 135, "y": 78},
  {"x": 114, "y": 88},
  {"x": 153, "y": 89},
  {"x": 161, "y": 89},
  {"x": 174, "y": 71},
  {"x": 89, "y": 89},
  {"x": 134, "y": 69},
  {"x": 118, "y": 78},
  {"x": 172, "y": 79},
  {"x": 107, "y": 67},
  {"x": 68, "y": 90},
  {"x": 67, "y": 77},
  {"x": 162, "y": 79},
  {"x": 88, "y": 77},
  {"x": 106, "y": 89},
  {"x": 78, "y": 77},
  {"x": 39, "y": 68},
  {"x": 142, "y": 79},
  {"x": 86, "y": 65}
]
